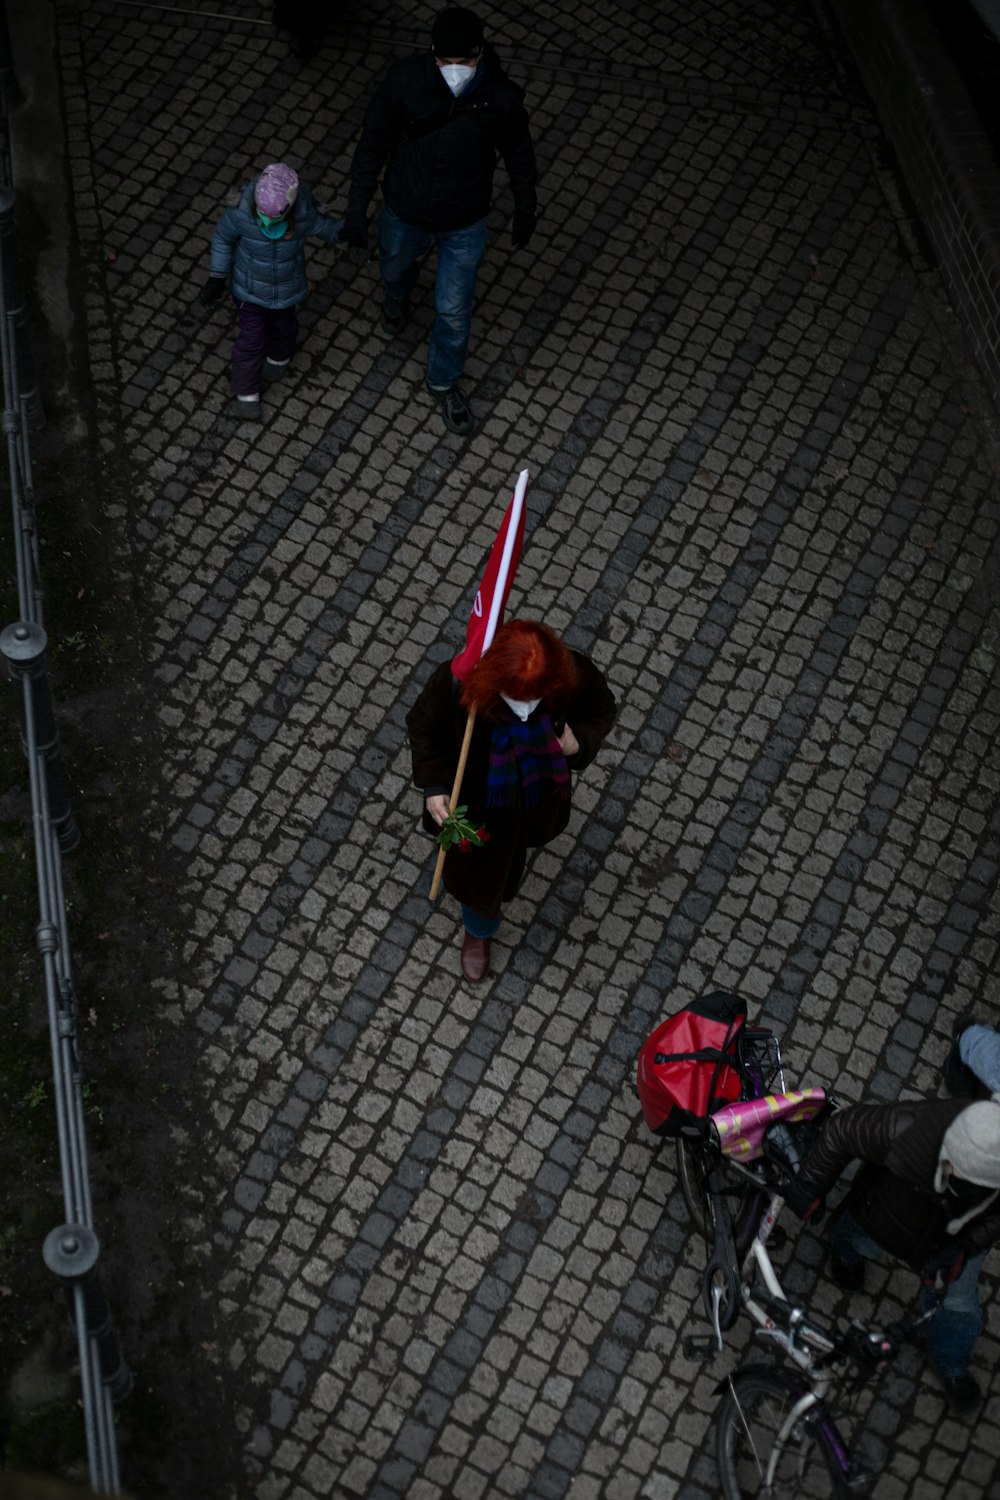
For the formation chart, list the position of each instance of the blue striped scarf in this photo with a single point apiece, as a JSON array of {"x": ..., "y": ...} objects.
[{"x": 526, "y": 759}]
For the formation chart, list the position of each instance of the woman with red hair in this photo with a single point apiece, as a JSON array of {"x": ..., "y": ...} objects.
[{"x": 542, "y": 711}]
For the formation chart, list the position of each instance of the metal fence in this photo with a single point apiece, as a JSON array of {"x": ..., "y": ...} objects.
[{"x": 71, "y": 1250}]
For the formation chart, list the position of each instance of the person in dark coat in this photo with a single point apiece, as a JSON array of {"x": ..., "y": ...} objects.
[
  {"x": 305, "y": 21},
  {"x": 437, "y": 124},
  {"x": 542, "y": 712},
  {"x": 928, "y": 1193},
  {"x": 258, "y": 250}
]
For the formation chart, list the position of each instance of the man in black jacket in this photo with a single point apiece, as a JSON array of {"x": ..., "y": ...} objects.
[
  {"x": 440, "y": 120},
  {"x": 928, "y": 1192}
]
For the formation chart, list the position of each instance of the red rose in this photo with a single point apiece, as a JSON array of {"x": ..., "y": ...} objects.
[
  {"x": 484, "y": 834},
  {"x": 464, "y": 846}
]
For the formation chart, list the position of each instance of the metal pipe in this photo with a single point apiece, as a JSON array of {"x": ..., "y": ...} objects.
[
  {"x": 27, "y": 393},
  {"x": 23, "y": 646},
  {"x": 72, "y": 1252},
  {"x": 10, "y": 89},
  {"x": 23, "y": 518}
]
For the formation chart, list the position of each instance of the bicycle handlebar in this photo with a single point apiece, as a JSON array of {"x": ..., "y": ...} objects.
[
  {"x": 866, "y": 1346},
  {"x": 795, "y": 1320}
]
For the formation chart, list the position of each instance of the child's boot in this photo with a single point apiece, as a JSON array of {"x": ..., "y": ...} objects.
[{"x": 246, "y": 408}]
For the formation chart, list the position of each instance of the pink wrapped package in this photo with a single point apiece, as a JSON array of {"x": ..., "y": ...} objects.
[{"x": 741, "y": 1126}]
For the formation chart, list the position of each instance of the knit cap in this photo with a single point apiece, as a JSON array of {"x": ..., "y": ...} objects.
[
  {"x": 277, "y": 189},
  {"x": 457, "y": 32},
  {"x": 972, "y": 1143}
]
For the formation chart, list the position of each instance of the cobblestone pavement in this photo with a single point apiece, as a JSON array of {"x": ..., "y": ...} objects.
[{"x": 763, "y": 498}]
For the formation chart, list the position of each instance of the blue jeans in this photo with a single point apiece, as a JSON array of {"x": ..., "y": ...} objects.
[
  {"x": 459, "y": 252},
  {"x": 952, "y": 1334},
  {"x": 979, "y": 1049},
  {"x": 476, "y": 925}
]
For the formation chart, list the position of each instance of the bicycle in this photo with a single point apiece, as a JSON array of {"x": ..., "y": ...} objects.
[
  {"x": 722, "y": 1157},
  {"x": 775, "y": 1433}
]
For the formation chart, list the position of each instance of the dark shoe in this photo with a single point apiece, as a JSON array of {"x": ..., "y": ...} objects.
[
  {"x": 959, "y": 1080},
  {"x": 475, "y": 957},
  {"x": 848, "y": 1275},
  {"x": 245, "y": 411},
  {"x": 274, "y": 371},
  {"x": 395, "y": 316},
  {"x": 962, "y": 1394},
  {"x": 303, "y": 48},
  {"x": 455, "y": 411}
]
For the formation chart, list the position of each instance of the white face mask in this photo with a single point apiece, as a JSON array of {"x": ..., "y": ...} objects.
[
  {"x": 457, "y": 76},
  {"x": 521, "y": 706}
]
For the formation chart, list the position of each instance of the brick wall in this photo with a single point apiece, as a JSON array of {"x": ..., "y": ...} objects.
[{"x": 950, "y": 169}]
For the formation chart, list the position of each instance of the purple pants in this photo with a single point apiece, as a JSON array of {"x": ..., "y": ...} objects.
[{"x": 264, "y": 333}]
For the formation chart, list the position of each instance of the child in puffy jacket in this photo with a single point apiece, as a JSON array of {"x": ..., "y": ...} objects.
[{"x": 258, "y": 249}]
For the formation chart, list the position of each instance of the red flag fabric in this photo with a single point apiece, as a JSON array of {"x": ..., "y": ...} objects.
[{"x": 498, "y": 575}]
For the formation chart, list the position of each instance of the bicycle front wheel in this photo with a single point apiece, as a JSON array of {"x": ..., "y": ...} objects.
[{"x": 763, "y": 1450}]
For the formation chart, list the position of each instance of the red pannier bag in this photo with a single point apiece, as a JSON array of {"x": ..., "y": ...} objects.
[{"x": 688, "y": 1066}]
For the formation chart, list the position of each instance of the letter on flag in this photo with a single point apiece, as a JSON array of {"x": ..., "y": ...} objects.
[{"x": 498, "y": 575}]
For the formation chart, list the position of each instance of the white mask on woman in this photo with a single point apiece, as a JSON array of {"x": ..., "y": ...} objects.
[
  {"x": 521, "y": 706},
  {"x": 457, "y": 76}
]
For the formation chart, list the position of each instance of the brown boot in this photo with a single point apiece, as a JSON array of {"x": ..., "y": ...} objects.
[{"x": 475, "y": 957}]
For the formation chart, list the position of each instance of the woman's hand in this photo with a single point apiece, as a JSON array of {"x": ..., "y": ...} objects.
[
  {"x": 437, "y": 806},
  {"x": 568, "y": 742}
]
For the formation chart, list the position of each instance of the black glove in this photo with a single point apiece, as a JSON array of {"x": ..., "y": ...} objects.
[
  {"x": 943, "y": 1267},
  {"x": 213, "y": 290},
  {"x": 804, "y": 1199},
  {"x": 522, "y": 229},
  {"x": 355, "y": 232}
]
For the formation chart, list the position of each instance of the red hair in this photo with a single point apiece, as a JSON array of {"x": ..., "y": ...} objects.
[{"x": 525, "y": 660}]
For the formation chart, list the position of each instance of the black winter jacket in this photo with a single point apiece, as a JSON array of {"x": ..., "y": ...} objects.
[
  {"x": 485, "y": 877},
  {"x": 441, "y": 150},
  {"x": 893, "y": 1196}
]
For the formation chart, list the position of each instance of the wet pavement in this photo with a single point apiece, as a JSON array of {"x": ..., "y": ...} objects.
[{"x": 449, "y": 1258}]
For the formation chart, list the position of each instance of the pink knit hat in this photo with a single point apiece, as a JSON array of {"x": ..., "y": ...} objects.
[{"x": 277, "y": 189}]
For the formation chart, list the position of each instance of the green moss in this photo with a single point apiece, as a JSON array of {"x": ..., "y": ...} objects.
[{"x": 50, "y": 1440}]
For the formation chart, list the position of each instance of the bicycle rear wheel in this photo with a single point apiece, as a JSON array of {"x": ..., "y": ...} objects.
[
  {"x": 746, "y": 1205},
  {"x": 698, "y": 1172},
  {"x": 760, "y": 1455},
  {"x": 692, "y": 1173}
]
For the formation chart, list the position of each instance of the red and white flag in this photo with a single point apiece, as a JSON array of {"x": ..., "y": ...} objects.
[{"x": 498, "y": 575}]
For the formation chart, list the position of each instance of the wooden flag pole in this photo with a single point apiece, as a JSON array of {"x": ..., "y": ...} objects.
[
  {"x": 453, "y": 799},
  {"x": 500, "y": 586}
]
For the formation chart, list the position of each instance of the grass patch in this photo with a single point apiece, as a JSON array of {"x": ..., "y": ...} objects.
[{"x": 49, "y": 1440}]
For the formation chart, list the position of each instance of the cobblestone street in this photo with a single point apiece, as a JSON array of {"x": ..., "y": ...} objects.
[{"x": 451, "y": 1263}]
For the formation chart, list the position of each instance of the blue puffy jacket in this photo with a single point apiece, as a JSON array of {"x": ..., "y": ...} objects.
[{"x": 271, "y": 273}]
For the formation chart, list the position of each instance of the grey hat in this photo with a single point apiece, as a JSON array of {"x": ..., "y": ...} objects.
[{"x": 971, "y": 1143}]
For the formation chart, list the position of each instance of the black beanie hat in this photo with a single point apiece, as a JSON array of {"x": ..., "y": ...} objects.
[{"x": 457, "y": 32}]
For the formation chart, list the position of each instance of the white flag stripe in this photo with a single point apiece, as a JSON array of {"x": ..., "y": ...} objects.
[{"x": 517, "y": 505}]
